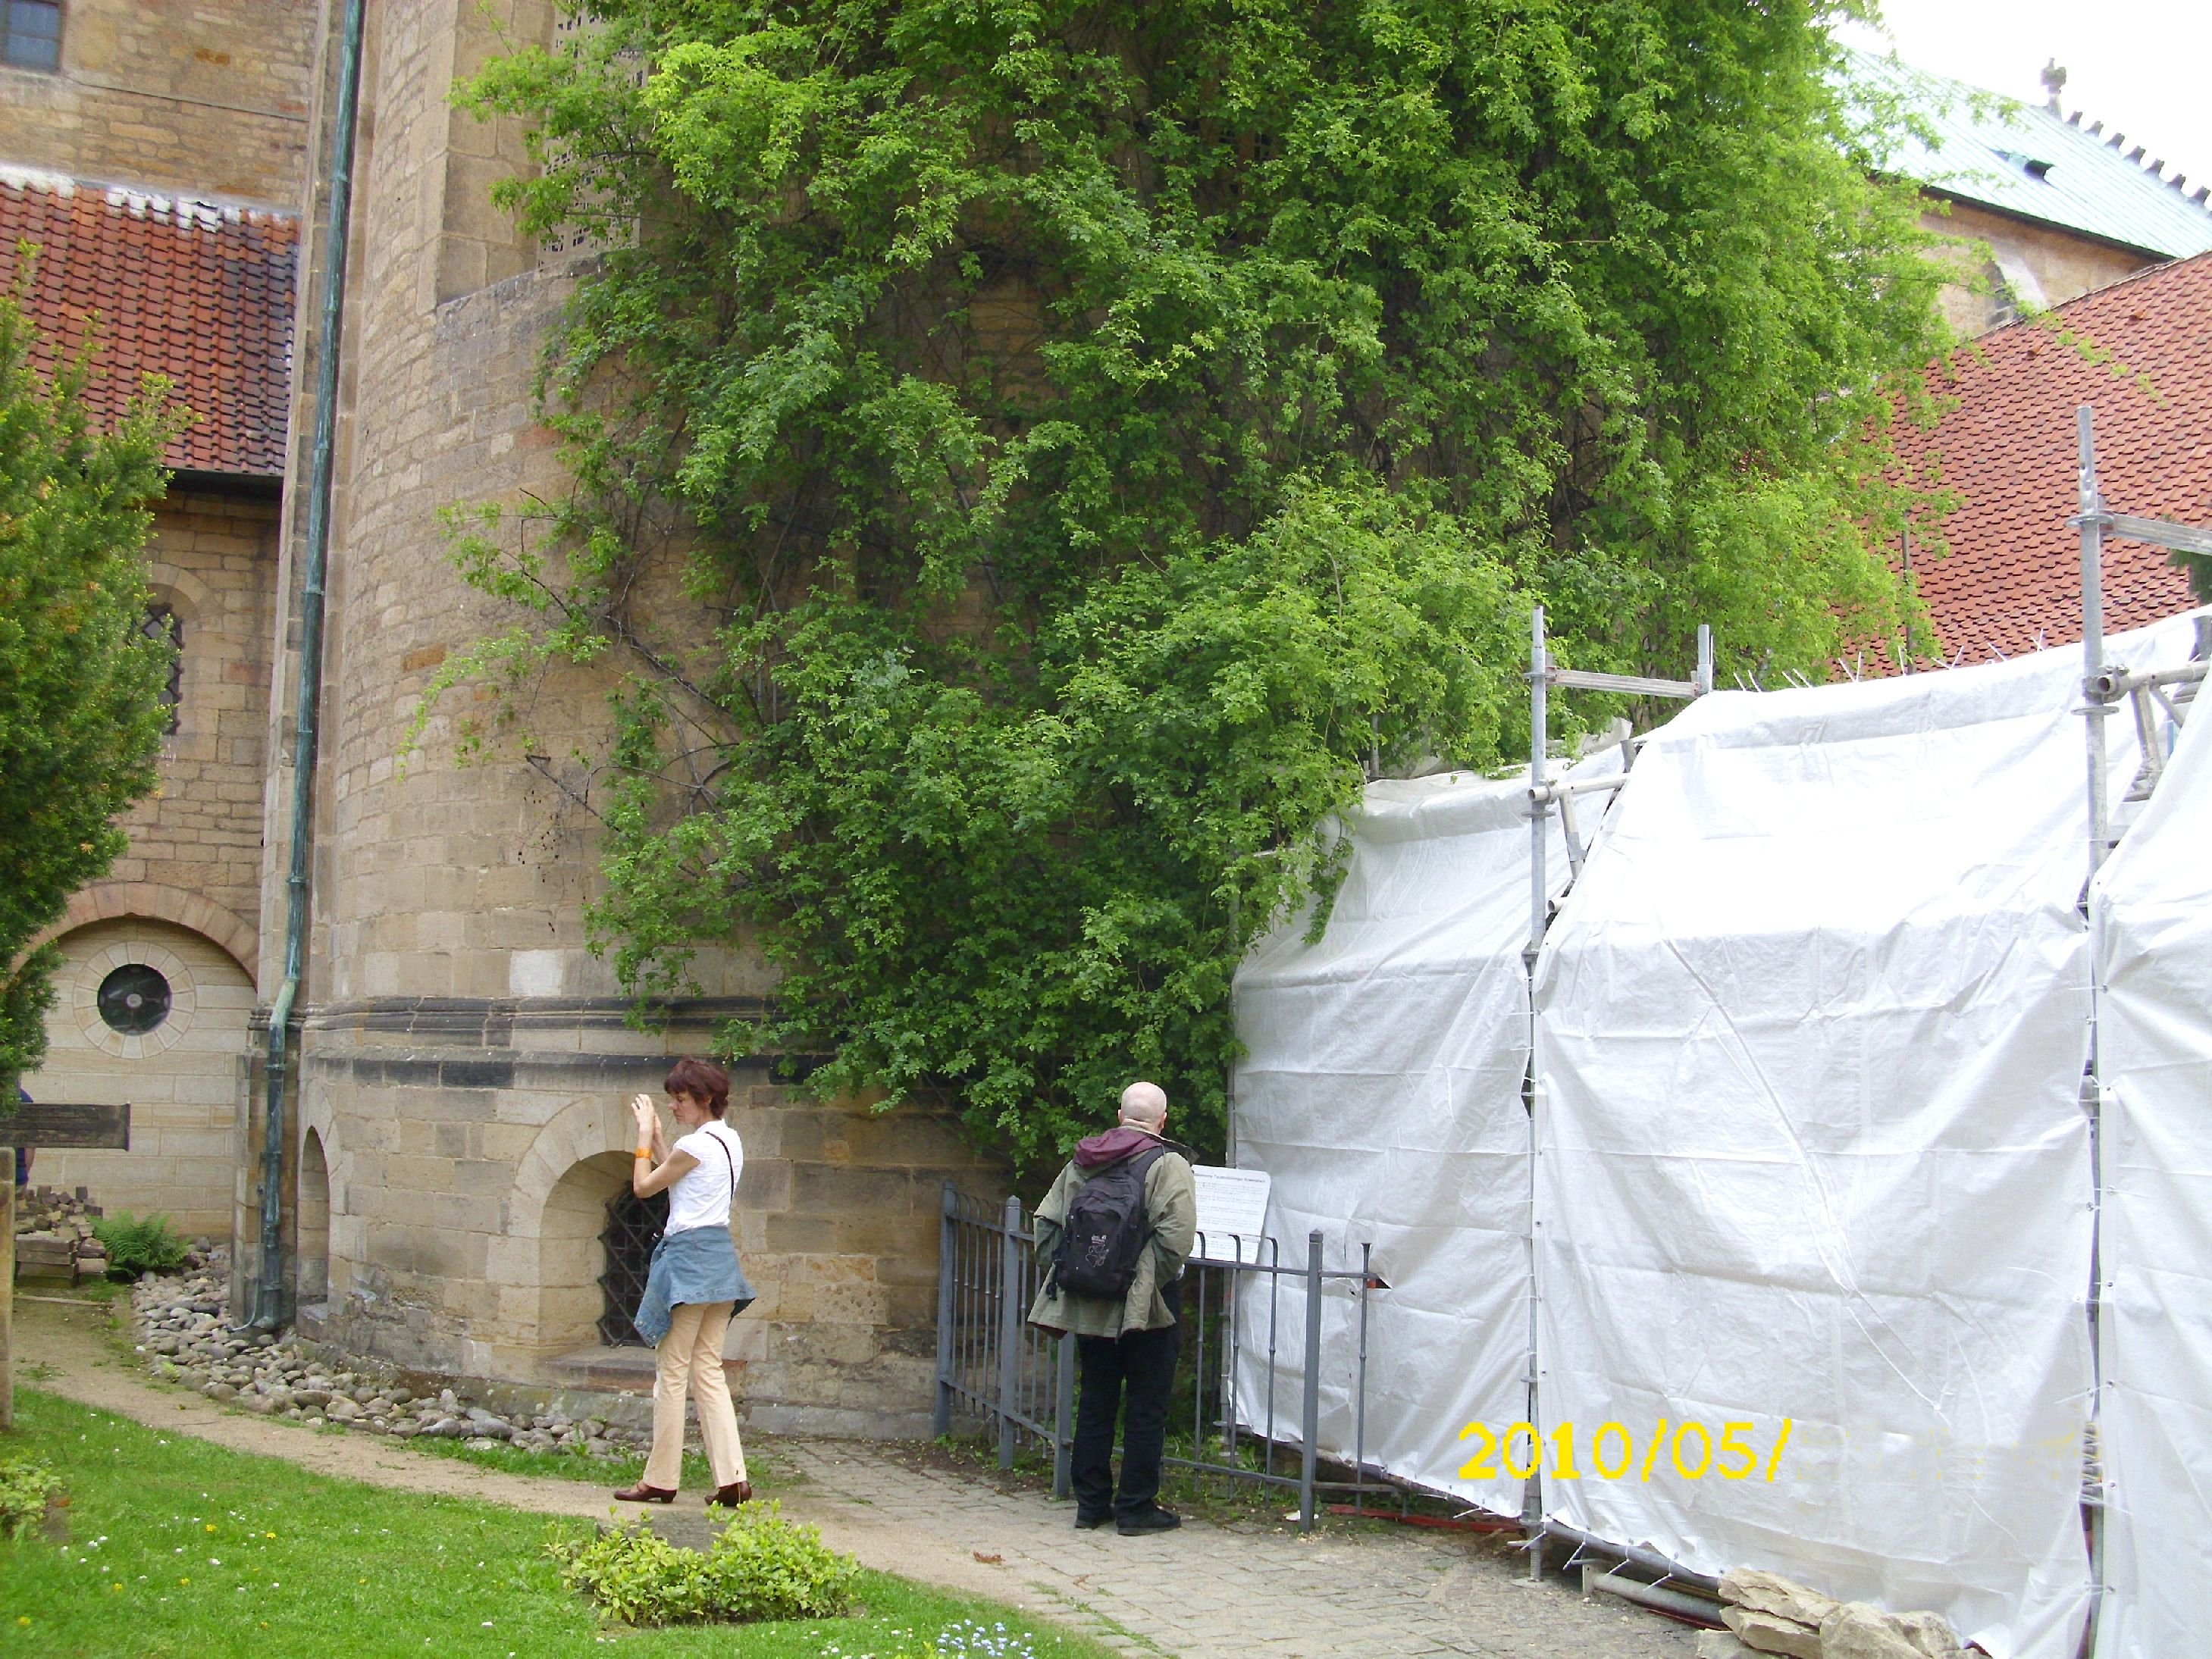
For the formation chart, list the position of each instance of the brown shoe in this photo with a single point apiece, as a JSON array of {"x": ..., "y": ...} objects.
[
  {"x": 641, "y": 1493},
  {"x": 736, "y": 1492}
]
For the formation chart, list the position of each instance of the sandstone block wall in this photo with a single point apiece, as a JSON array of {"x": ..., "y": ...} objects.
[
  {"x": 458, "y": 1123},
  {"x": 186, "y": 897},
  {"x": 2064, "y": 266},
  {"x": 212, "y": 560},
  {"x": 471, "y": 1149},
  {"x": 182, "y": 1079},
  {"x": 205, "y": 97}
]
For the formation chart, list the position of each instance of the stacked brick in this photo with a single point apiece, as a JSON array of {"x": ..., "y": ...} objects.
[{"x": 53, "y": 1236}]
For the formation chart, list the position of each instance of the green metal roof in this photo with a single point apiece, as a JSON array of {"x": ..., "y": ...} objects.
[{"x": 2026, "y": 160}]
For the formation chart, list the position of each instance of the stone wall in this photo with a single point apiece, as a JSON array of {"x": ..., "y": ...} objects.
[
  {"x": 182, "y": 1079},
  {"x": 205, "y": 97},
  {"x": 2042, "y": 266},
  {"x": 458, "y": 1126},
  {"x": 185, "y": 898},
  {"x": 472, "y": 1148},
  {"x": 195, "y": 853}
]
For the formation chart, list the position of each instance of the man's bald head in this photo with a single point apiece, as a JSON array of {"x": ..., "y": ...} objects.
[{"x": 1145, "y": 1105}]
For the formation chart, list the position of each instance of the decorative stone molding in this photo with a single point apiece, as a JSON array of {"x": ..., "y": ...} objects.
[
  {"x": 81, "y": 1006},
  {"x": 113, "y": 901}
]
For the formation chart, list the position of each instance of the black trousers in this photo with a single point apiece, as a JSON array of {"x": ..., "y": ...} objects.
[{"x": 1131, "y": 1377}]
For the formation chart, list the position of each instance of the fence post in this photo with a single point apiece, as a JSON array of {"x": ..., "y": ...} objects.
[
  {"x": 948, "y": 1245},
  {"x": 1010, "y": 1328},
  {"x": 1063, "y": 1418},
  {"x": 1309, "y": 1410},
  {"x": 7, "y": 1287}
]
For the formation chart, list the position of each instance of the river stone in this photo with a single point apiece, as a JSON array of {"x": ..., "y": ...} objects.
[{"x": 220, "y": 1391}]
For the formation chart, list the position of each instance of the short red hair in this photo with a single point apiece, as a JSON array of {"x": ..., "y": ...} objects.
[{"x": 702, "y": 1079}]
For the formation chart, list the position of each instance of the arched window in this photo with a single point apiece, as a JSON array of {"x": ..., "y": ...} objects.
[{"x": 162, "y": 623}]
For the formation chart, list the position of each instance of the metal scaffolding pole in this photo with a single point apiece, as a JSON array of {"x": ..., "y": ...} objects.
[
  {"x": 2095, "y": 707},
  {"x": 1532, "y": 1497},
  {"x": 2103, "y": 685},
  {"x": 1542, "y": 793}
]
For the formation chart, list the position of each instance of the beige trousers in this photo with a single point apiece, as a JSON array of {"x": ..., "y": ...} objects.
[{"x": 691, "y": 1353}]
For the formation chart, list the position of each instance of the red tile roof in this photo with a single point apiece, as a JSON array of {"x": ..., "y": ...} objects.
[
  {"x": 199, "y": 293},
  {"x": 2012, "y": 577}
]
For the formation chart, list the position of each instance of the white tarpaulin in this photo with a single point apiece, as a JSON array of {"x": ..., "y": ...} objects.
[
  {"x": 1811, "y": 1032},
  {"x": 1382, "y": 1089},
  {"x": 2154, "y": 1041}
]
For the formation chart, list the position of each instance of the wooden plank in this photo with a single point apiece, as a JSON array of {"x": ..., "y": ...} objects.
[
  {"x": 1635, "y": 685},
  {"x": 44, "y": 1124},
  {"x": 2183, "y": 539}
]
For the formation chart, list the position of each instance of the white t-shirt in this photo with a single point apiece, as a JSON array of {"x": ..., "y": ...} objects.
[{"x": 702, "y": 1197}]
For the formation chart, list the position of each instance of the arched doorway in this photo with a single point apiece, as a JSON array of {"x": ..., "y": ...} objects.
[{"x": 572, "y": 1252}]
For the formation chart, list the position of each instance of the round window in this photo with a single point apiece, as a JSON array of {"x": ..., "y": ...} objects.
[{"x": 134, "y": 998}]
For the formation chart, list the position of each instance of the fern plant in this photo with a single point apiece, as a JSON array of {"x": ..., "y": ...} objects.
[{"x": 135, "y": 1248}]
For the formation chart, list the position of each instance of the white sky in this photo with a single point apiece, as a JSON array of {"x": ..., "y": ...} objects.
[{"x": 2141, "y": 66}]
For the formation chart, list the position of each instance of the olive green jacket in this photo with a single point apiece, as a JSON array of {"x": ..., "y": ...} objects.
[{"x": 1170, "y": 1207}]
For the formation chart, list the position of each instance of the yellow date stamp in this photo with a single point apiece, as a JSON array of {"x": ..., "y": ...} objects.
[{"x": 1614, "y": 1452}]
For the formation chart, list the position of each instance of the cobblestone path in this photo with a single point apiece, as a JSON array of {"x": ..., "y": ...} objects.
[{"x": 1225, "y": 1592}]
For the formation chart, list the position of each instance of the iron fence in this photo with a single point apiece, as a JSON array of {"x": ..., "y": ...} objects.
[{"x": 993, "y": 1366}]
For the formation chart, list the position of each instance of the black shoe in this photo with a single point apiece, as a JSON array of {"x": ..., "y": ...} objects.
[
  {"x": 1090, "y": 1522},
  {"x": 1154, "y": 1519}
]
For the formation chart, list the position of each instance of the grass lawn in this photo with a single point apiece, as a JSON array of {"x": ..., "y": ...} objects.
[{"x": 182, "y": 1548}]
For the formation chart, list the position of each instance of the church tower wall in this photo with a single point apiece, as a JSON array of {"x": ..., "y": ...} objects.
[{"x": 463, "y": 1056}]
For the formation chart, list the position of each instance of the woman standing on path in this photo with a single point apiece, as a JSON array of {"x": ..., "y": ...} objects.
[{"x": 695, "y": 1283}]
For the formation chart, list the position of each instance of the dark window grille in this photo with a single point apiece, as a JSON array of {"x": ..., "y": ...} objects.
[
  {"x": 31, "y": 35},
  {"x": 634, "y": 1227},
  {"x": 163, "y": 623},
  {"x": 134, "y": 998}
]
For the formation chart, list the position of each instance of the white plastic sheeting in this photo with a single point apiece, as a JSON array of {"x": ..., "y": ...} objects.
[
  {"x": 1382, "y": 1089},
  {"x": 1810, "y": 1030},
  {"x": 2154, "y": 1041}
]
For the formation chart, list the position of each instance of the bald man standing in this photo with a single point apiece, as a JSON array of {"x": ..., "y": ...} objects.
[{"x": 1126, "y": 1344}]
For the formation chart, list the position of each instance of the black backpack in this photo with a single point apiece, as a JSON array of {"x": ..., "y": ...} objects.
[{"x": 1106, "y": 1229}]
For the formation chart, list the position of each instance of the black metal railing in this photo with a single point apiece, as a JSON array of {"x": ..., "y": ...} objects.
[{"x": 992, "y": 1366}]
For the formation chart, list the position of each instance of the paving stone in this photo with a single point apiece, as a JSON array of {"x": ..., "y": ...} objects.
[{"x": 1211, "y": 1591}]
